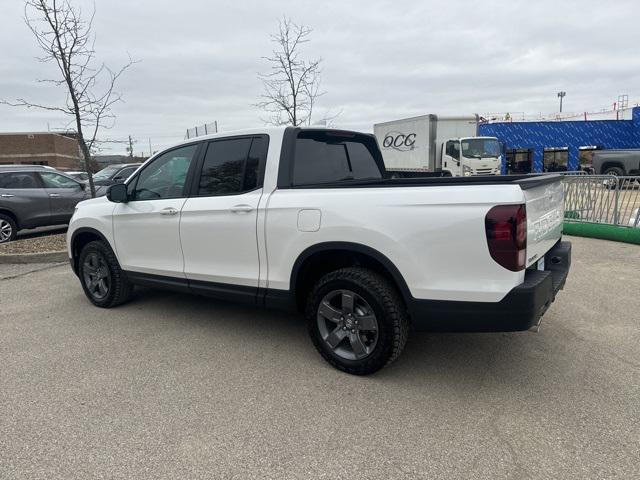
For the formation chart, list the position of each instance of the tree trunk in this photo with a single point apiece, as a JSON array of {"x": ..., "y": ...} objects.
[{"x": 86, "y": 161}]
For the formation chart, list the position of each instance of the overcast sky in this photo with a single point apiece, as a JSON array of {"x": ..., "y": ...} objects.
[{"x": 381, "y": 60}]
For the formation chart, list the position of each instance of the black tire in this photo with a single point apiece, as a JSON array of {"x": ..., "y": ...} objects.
[
  {"x": 387, "y": 305},
  {"x": 7, "y": 223},
  {"x": 617, "y": 171},
  {"x": 118, "y": 288}
]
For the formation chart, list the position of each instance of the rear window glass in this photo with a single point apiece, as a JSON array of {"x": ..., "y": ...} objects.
[
  {"x": 322, "y": 157},
  {"x": 18, "y": 180}
]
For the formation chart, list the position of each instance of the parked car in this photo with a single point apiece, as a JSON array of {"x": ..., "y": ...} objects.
[
  {"x": 35, "y": 196},
  {"x": 616, "y": 162},
  {"x": 114, "y": 174},
  {"x": 309, "y": 219}
]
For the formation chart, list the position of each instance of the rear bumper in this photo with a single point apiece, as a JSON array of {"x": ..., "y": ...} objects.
[{"x": 521, "y": 309}]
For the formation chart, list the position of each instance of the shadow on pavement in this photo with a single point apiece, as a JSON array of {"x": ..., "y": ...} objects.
[{"x": 503, "y": 360}]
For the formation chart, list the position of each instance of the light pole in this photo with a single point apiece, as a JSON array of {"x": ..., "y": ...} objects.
[{"x": 561, "y": 96}]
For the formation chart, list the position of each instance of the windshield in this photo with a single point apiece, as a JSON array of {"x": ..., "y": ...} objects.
[
  {"x": 106, "y": 173},
  {"x": 480, "y": 147}
]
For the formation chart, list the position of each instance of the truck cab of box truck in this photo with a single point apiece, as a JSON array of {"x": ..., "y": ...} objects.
[{"x": 470, "y": 156}]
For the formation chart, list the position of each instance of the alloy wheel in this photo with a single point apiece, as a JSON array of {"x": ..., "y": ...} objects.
[
  {"x": 347, "y": 324},
  {"x": 5, "y": 231},
  {"x": 96, "y": 275}
]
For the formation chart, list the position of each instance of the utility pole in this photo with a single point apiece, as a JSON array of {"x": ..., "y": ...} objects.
[
  {"x": 130, "y": 147},
  {"x": 561, "y": 96},
  {"x": 150, "y": 151}
]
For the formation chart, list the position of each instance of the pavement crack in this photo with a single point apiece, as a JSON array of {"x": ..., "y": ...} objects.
[{"x": 19, "y": 275}]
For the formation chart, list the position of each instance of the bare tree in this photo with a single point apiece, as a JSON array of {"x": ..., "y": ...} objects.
[
  {"x": 292, "y": 85},
  {"x": 66, "y": 39}
]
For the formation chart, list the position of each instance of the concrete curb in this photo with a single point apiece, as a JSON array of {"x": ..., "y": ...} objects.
[
  {"x": 603, "y": 232},
  {"x": 43, "y": 257}
]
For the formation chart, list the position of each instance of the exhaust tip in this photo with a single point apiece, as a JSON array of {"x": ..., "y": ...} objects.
[{"x": 536, "y": 328}]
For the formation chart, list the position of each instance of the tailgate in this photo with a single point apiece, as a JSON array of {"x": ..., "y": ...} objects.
[{"x": 545, "y": 213}]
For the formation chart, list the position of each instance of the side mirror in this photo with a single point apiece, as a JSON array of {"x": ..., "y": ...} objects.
[
  {"x": 117, "y": 193},
  {"x": 118, "y": 179}
]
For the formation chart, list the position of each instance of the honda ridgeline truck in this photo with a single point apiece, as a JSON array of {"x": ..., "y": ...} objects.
[{"x": 308, "y": 219}]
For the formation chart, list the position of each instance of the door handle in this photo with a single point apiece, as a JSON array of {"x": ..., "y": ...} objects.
[
  {"x": 168, "y": 211},
  {"x": 241, "y": 208},
  {"x": 7, "y": 195},
  {"x": 54, "y": 195}
]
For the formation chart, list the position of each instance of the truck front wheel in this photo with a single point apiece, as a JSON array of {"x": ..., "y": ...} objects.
[
  {"x": 357, "y": 320},
  {"x": 103, "y": 281}
]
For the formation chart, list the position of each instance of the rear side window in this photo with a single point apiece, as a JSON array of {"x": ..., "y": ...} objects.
[
  {"x": 232, "y": 166},
  {"x": 18, "y": 180},
  {"x": 323, "y": 157}
]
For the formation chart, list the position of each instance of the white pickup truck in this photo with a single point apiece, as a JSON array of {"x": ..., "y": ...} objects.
[{"x": 307, "y": 218}]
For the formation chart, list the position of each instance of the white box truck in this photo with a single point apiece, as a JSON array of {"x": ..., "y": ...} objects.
[{"x": 432, "y": 143}]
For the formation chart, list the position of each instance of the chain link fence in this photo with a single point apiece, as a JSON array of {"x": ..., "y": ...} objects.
[
  {"x": 604, "y": 199},
  {"x": 200, "y": 130}
]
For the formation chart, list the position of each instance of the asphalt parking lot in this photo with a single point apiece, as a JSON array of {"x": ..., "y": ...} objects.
[{"x": 177, "y": 386}]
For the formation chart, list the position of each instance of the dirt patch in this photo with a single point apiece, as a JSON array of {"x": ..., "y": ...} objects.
[{"x": 50, "y": 243}]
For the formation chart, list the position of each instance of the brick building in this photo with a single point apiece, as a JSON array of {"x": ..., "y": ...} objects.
[{"x": 53, "y": 149}]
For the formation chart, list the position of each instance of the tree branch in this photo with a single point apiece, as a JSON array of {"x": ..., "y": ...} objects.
[
  {"x": 292, "y": 85},
  {"x": 66, "y": 39}
]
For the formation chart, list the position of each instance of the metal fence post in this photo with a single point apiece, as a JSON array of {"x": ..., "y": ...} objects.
[{"x": 615, "y": 201}]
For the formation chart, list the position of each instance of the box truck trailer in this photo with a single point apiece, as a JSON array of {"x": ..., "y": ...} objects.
[{"x": 433, "y": 143}]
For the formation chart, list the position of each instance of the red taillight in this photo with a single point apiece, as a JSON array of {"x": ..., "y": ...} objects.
[{"x": 506, "y": 227}]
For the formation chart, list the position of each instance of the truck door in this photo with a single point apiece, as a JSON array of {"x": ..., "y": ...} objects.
[
  {"x": 218, "y": 225},
  {"x": 146, "y": 228},
  {"x": 451, "y": 157}
]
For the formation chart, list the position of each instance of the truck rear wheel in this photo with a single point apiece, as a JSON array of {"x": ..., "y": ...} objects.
[{"x": 357, "y": 320}]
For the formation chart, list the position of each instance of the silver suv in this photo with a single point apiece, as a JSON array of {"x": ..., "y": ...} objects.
[{"x": 36, "y": 196}]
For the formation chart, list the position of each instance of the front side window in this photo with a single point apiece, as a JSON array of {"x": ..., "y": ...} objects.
[
  {"x": 453, "y": 149},
  {"x": 325, "y": 157},
  {"x": 165, "y": 176},
  {"x": 54, "y": 180},
  {"x": 232, "y": 166},
  {"x": 18, "y": 180}
]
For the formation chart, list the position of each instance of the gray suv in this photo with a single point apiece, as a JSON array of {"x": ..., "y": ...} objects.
[{"x": 36, "y": 196}]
